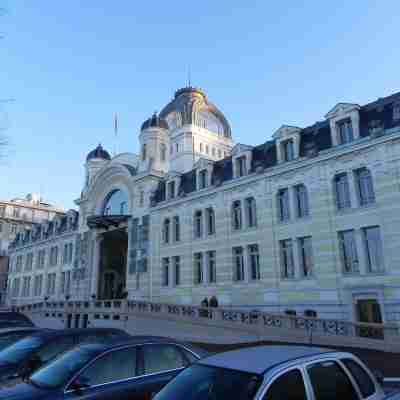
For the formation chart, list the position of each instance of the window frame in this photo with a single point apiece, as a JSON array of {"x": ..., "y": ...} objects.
[
  {"x": 277, "y": 375},
  {"x": 367, "y": 249},
  {"x": 344, "y": 134},
  {"x": 176, "y": 228},
  {"x": 210, "y": 218},
  {"x": 363, "y": 184},
  {"x": 238, "y": 277},
  {"x": 251, "y": 212},
  {"x": 355, "y": 259},
  {"x": 301, "y": 246},
  {"x": 284, "y": 256},
  {"x": 342, "y": 189},
  {"x": 284, "y": 199},
  {"x": 198, "y": 224},
  {"x": 165, "y": 281},
  {"x": 237, "y": 215},
  {"x": 211, "y": 257},
  {"x": 198, "y": 265},
  {"x": 287, "y": 147}
]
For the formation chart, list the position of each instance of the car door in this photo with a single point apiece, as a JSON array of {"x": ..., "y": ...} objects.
[
  {"x": 108, "y": 377},
  {"x": 287, "y": 385},
  {"x": 158, "y": 364}
]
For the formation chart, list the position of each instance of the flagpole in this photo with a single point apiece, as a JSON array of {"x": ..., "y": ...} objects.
[{"x": 115, "y": 133}]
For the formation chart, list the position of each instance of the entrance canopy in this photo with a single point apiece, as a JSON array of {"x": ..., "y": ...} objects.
[{"x": 106, "y": 221}]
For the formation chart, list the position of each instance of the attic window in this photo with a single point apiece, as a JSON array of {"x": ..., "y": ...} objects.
[
  {"x": 171, "y": 189},
  {"x": 288, "y": 150},
  {"x": 241, "y": 166},
  {"x": 375, "y": 127},
  {"x": 396, "y": 112},
  {"x": 203, "y": 179},
  {"x": 345, "y": 131}
]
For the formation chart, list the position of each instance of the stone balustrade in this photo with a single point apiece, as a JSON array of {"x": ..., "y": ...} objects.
[{"x": 234, "y": 322}]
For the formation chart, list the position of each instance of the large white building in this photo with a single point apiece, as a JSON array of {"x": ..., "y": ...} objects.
[{"x": 307, "y": 222}]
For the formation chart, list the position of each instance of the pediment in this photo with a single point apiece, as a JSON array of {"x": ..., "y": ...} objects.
[
  {"x": 240, "y": 148},
  {"x": 286, "y": 131},
  {"x": 203, "y": 163},
  {"x": 342, "y": 108}
]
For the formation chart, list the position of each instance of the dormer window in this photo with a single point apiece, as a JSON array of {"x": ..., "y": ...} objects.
[
  {"x": 288, "y": 150},
  {"x": 203, "y": 177},
  {"x": 396, "y": 112},
  {"x": 345, "y": 131},
  {"x": 171, "y": 189},
  {"x": 241, "y": 166}
]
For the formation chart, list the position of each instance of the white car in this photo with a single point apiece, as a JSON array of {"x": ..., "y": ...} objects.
[{"x": 277, "y": 373}]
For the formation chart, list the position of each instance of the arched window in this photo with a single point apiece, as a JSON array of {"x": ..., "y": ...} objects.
[
  {"x": 163, "y": 152},
  {"x": 177, "y": 229},
  {"x": 237, "y": 215},
  {"x": 166, "y": 230},
  {"x": 116, "y": 203},
  {"x": 198, "y": 224}
]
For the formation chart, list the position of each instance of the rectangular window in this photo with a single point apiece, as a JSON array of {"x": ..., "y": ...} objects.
[
  {"x": 177, "y": 270},
  {"x": 254, "y": 261},
  {"x": 19, "y": 264},
  {"x": 365, "y": 187},
  {"x": 210, "y": 221},
  {"x": 198, "y": 224},
  {"x": 241, "y": 166},
  {"x": 165, "y": 271},
  {"x": 53, "y": 256},
  {"x": 212, "y": 275},
  {"x": 237, "y": 215},
  {"x": 16, "y": 212},
  {"x": 251, "y": 212},
  {"x": 288, "y": 150},
  {"x": 13, "y": 229},
  {"x": 29, "y": 262},
  {"x": 198, "y": 268},
  {"x": 2, "y": 211},
  {"x": 305, "y": 254},
  {"x": 301, "y": 200},
  {"x": 342, "y": 192},
  {"x": 283, "y": 204},
  {"x": 203, "y": 179},
  {"x": 177, "y": 231},
  {"x": 238, "y": 262},
  {"x": 70, "y": 252},
  {"x": 345, "y": 131},
  {"x": 348, "y": 252},
  {"x": 171, "y": 189},
  {"x": 62, "y": 282},
  {"x": 38, "y": 285},
  {"x": 373, "y": 247},
  {"x": 65, "y": 254},
  {"x": 287, "y": 261}
]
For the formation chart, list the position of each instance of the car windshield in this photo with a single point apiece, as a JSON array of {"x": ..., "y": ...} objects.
[
  {"x": 62, "y": 369},
  {"x": 201, "y": 382},
  {"x": 17, "y": 352}
]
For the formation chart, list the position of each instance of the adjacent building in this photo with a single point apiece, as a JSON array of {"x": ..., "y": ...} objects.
[{"x": 307, "y": 222}]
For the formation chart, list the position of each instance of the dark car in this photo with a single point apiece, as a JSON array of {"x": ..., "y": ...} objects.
[
  {"x": 12, "y": 319},
  {"x": 134, "y": 370},
  {"x": 33, "y": 351},
  {"x": 9, "y": 336}
]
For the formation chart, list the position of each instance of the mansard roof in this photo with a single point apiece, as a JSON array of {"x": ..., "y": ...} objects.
[{"x": 313, "y": 139}]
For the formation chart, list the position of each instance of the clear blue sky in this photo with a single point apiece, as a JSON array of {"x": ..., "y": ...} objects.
[{"x": 70, "y": 65}]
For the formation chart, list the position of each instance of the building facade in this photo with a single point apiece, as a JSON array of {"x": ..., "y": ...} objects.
[
  {"x": 19, "y": 214},
  {"x": 307, "y": 222}
]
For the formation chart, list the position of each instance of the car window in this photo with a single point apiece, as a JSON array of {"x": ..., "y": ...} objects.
[
  {"x": 91, "y": 338},
  {"x": 61, "y": 370},
  {"x": 363, "y": 380},
  {"x": 55, "y": 347},
  {"x": 19, "y": 350},
  {"x": 162, "y": 357},
  {"x": 289, "y": 386},
  {"x": 203, "y": 382},
  {"x": 330, "y": 382},
  {"x": 113, "y": 366}
]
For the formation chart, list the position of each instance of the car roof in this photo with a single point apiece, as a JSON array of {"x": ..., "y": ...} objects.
[
  {"x": 4, "y": 331},
  {"x": 259, "y": 359},
  {"x": 140, "y": 340},
  {"x": 75, "y": 331}
]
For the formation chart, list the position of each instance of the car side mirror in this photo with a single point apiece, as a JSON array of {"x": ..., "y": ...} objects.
[
  {"x": 79, "y": 383},
  {"x": 379, "y": 376}
]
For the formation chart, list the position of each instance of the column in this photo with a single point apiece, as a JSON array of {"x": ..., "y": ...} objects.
[{"x": 94, "y": 279}]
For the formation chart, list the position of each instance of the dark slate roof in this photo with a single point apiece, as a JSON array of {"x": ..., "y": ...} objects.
[
  {"x": 154, "y": 122},
  {"x": 98, "y": 152},
  {"x": 313, "y": 139}
]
